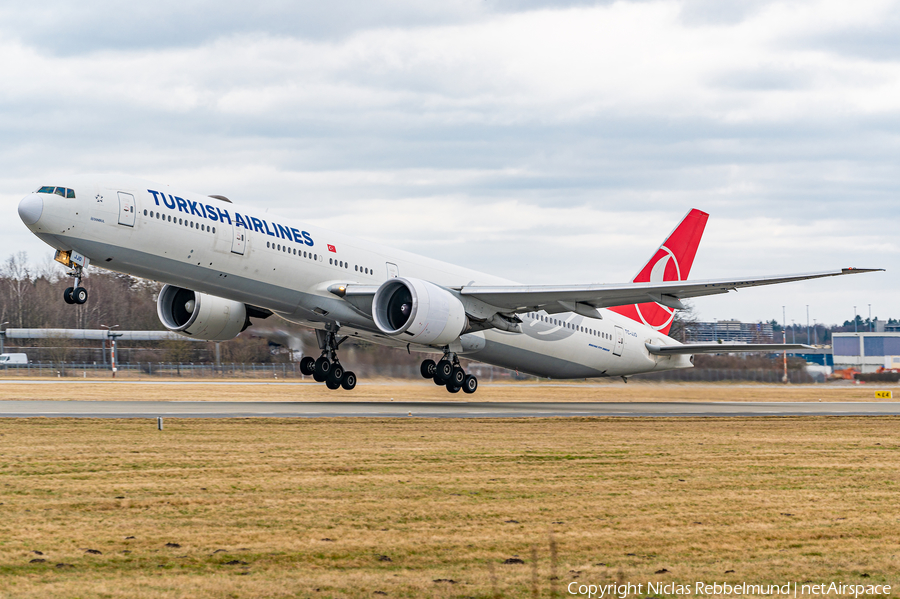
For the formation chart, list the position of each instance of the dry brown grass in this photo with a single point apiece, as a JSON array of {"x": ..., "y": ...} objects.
[
  {"x": 311, "y": 505},
  {"x": 421, "y": 390}
]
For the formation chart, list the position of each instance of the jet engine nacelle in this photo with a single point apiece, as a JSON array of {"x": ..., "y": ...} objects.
[
  {"x": 418, "y": 312},
  {"x": 200, "y": 316}
]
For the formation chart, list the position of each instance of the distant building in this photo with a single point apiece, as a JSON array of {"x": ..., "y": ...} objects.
[
  {"x": 865, "y": 351},
  {"x": 729, "y": 330}
]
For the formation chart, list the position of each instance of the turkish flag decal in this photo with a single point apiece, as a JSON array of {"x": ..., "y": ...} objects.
[{"x": 331, "y": 248}]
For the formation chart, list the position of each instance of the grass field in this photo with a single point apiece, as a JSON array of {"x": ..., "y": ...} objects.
[
  {"x": 422, "y": 390},
  {"x": 435, "y": 508}
]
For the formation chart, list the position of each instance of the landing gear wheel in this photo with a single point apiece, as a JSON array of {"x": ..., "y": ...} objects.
[
  {"x": 336, "y": 374},
  {"x": 332, "y": 385},
  {"x": 323, "y": 367},
  {"x": 67, "y": 295},
  {"x": 79, "y": 295},
  {"x": 349, "y": 381},
  {"x": 438, "y": 382},
  {"x": 452, "y": 388},
  {"x": 307, "y": 365},
  {"x": 427, "y": 369},
  {"x": 458, "y": 376},
  {"x": 470, "y": 385},
  {"x": 443, "y": 371}
]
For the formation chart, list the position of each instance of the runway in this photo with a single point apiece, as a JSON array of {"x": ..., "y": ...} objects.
[{"x": 247, "y": 409}]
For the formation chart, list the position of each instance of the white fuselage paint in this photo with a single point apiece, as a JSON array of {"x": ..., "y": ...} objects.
[{"x": 273, "y": 276}]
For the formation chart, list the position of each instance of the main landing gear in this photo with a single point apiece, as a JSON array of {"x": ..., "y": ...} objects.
[
  {"x": 448, "y": 373},
  {"x": 327, "y": 369},
  {"x": 76, "y": 294}
]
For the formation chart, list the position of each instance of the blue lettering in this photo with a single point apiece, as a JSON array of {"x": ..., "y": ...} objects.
[
  {"x": 203, "y": 210},
  {"x": 210, "y": 213},
  {"x": 193, "y": 206},
  {"x": 182, "y": 205},
  {"x": 156, "y": 195},
  {"x": 239, "y": 222},
  {"x": 296, "y": 235},
  {"x": 223, "y": 214},
  {"x": 308, "y": 239},
  {"x": 284, "y": 232},
  {"x": 257, "y": 224},
  {"x": 167, "y": 202},
  {"x": 268, "y": 232}
]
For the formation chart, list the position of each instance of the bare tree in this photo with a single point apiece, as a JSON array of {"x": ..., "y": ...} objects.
[
  {"x": 684, "y": 321},
  {"x": 18, "y": 281}
]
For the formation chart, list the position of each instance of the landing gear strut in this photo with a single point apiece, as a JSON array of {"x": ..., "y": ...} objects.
[
  {"x": 327, "y": 369},
  {"x": 448, "y": 373},
  {"x": 76, "y": 294}
]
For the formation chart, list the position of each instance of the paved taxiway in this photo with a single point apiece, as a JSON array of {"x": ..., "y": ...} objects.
[{"x": 212, "y": 409}]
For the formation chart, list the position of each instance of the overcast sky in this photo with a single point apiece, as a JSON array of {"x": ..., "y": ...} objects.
[{"x": 548, "y": 142}]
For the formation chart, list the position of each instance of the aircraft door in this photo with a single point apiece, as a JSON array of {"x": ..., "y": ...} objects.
[
  {"x": 392, "y": 271},
  {"x": 239, "y": 240},
  {"x": 620, "y": 341},
  {"x": 126, "y": 209}
]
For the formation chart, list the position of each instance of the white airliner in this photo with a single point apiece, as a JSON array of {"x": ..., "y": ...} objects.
[{"x": 223, "y": 264}]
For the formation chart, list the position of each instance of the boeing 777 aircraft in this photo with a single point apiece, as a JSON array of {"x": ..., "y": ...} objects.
[{"x": 223, "y": 264}]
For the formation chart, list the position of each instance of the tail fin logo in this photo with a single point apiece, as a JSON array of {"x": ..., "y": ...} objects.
[
  {"x": 658, "y": 272},
  {"x": 665, "y": 268},
  {"x": 671, "y": 262}
]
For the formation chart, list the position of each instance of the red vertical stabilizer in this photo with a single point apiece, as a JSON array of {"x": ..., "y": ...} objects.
[{"x": 671, "y": 262}]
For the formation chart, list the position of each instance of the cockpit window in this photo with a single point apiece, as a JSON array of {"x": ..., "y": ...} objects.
[{"x": 61, "y": 191}]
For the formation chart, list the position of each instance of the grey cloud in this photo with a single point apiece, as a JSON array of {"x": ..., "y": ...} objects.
[
  {"x": 706, "y": 12},
  {"x": 65, "y": 28},
  {"x": 764, "y": 79},
  {"x": 875, "y": 41}
]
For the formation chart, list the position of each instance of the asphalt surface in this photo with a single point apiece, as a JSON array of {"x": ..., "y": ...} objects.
[{"x": 248, "y": 409}]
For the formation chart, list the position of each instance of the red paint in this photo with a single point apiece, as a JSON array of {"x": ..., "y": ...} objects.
[{"x": 671, "y": 262}]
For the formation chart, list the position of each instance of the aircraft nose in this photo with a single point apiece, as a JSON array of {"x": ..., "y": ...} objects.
[{"x": 30, "y": 208}]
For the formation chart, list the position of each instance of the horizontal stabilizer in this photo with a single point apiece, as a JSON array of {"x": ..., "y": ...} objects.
[{"x": 724, "y": 348}]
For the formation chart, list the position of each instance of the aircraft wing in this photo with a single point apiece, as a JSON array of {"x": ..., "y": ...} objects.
[
  {"x": 584, "y": 298},
  {"x": 723, "y": 348}
]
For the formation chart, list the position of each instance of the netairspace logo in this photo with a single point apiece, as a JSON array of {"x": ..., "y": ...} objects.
[{"x": 723, "y": 589}]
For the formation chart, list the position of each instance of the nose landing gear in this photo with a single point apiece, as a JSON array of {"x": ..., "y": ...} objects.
[
  {"x": 448, "y": 373},
  {"x": 76, "y": 294},
  {"x": 327, "y": 369}
]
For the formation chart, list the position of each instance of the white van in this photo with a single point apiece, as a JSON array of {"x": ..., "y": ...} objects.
[{"x": 8, "y": 359}]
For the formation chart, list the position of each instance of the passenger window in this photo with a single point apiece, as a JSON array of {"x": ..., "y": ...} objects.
[
  {"x": 70, "y": 193},
  {"x": 145, "y": 213},
  {"x": 214, "y": 229},
  {"x": 329, "y": 261},
  {"x": 267, "y": 244}
]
